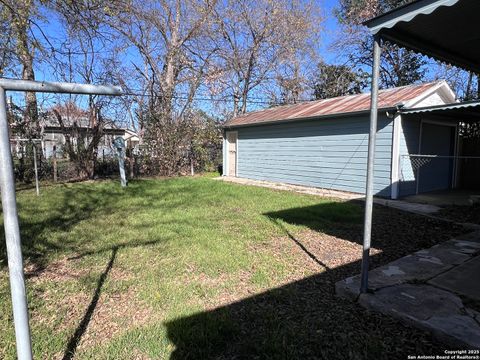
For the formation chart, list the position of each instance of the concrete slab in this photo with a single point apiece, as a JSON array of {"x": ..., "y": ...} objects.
[
  {"x": 295, "y": 188},
  {"x": 423, "y": 290},
  {"x": 463, "y": 279},
  {"x": 408, "y": 206},
  {"x": 447, "y": 197},
  {"x": 407, "y": 269},
  {"x": 452, "y": 252},
  {"x": 397, "y": 204},
  {"x": 473, "y": 236},
  {"x": 348, "y": 288},
  {"x": 421, "y": 266},
  {"x": 429, "y": 308}
]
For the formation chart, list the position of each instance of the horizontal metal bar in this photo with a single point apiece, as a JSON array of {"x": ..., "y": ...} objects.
[{"x": 58, "y": 87}]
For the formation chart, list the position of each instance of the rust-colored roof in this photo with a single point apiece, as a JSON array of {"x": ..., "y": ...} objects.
[{"x": 387, "y": 99}]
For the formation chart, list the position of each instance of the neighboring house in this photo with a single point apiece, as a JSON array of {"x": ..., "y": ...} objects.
[
  {"x": 324, "y": 143},
  {"x": 53, "y": 134}
]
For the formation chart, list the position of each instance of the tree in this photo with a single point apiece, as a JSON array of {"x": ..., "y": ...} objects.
[
  {"x": 170, "y": 56},
  {"x": 258, "y": 43},
  {"x": 398, "y": 66},
  {"x": 337, "y": 80},
  {"x": 82, "y": 135},
  {"x": 466, "y": 85},
  {"x": 22, "y": 16}
]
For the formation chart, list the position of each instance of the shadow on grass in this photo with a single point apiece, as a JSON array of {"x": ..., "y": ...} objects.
[
  {"x": 75, "y": 339},
  {"x": 394, "y": 232},
  {"x": 82, "y": 327},
  {"x": 301, "y": 320},
  {"x": 70, "y": 206},
  {"x": 305, "y": 319}
]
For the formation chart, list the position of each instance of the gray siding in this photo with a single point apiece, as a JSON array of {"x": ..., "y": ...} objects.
[
  {"x": 326, "y": 153},
  {"x": 409, "y": 144}
]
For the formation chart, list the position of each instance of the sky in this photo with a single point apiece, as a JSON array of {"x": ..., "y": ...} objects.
[{"x": 330, "y": 32}]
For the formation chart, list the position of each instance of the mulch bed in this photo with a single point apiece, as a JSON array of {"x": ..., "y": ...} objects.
[{"x": 304, "y": 319}]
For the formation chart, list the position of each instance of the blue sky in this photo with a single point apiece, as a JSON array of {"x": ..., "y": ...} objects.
[{"x": 330, "y": 31}]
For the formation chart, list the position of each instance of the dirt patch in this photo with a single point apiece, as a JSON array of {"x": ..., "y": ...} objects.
[
  {"x": 113, "y": 315},
  {"x": 461, "y": 214},
  {"x": 60, "y": 270},
  {"x": 307, "y": 252},
  {"x": 103, "y": 316},
  {"x": 317, "y": 251}
]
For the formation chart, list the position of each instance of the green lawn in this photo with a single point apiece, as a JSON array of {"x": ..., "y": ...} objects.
[{"x": 191, "y": 268}]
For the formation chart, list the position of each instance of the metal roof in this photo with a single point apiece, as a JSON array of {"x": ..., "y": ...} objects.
[
  {"x": 469, "y": 110},
  {"x": 344, "y": 105},
  {"x": 446, "y": 30}
]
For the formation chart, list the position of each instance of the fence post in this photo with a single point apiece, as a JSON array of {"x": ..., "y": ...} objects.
[
  {"x": 131, "y": 158},
  {"x": 54, "y": 160},
  {"x": 35, "y": 168},
  {"x": 119, "y": 144}
]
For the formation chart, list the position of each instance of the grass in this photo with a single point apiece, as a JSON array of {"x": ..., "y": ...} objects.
[{"x": 197, "y": 268}]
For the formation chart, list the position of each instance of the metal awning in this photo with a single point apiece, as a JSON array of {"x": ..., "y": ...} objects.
[
  {"x": 446, "y": 30},
  {"x": 465, "y": 111}
]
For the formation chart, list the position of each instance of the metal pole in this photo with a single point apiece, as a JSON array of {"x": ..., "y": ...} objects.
[
  {"x": 12, "y": 238},
  {"x": 9, "y": 205},
  {"x": 121, "y": 165},
  {"x": 54, "y": 159},
  {"x": 36, "y": 169},
  {"x": 367, "y": 232},
  {"x": 57, "y": 87},
  {"x": 119, "y": 144}
]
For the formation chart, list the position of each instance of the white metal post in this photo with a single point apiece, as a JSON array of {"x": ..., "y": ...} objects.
[
  {"x": 367, "y": 231},
  {"x": 36, "y": 169},
  {"x": 121, "y": 165},
  {"x": 12, "y": 238},
  {"x": 119, "y": 144}
]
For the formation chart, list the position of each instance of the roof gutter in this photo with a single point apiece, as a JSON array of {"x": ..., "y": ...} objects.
[{"x": 308, "y": 118}]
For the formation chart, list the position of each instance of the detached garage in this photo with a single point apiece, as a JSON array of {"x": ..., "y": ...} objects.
[{"x": 324, "y": 143}]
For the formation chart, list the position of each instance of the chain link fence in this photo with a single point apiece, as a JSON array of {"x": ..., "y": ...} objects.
[
  {"x": 57, "y": 167},
  {"x": 423, "y": 173}
]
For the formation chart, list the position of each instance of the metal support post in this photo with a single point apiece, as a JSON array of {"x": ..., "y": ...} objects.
[
  {"x": 9, "y": 204},
  {"x": 367, "y": 231},
  {"x": 12, "y": 238}
]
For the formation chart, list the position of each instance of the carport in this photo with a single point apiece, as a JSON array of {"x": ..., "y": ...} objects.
[
  {"x": 421, "y": 26},
  {"x": 441, "y": 152}
]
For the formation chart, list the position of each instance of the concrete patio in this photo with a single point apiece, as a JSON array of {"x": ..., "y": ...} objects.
[{"x": 436, "y": 289}]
